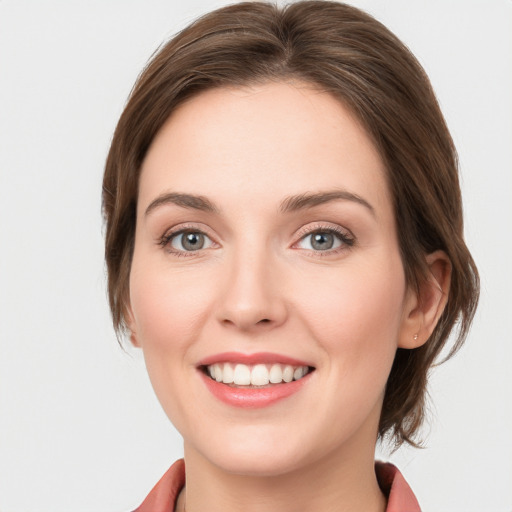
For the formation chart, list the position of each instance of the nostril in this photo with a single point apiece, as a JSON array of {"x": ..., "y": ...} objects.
[{"x": 264, "y": 321}]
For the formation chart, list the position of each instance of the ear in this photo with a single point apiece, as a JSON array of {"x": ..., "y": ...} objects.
[
  {"x": 130, "y": 323},
  {"x": 422, "y": 309}
]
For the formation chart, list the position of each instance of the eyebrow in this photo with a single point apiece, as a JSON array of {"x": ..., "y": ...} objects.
[
  {"x": 290, "y": 204},
  {"x": 189, "y": 201},
  {"x": 304, "y": 201}
]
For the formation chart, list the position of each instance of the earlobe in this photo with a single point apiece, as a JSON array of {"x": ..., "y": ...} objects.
[
  {"x": 130, "y": 323},
  {"x": 133, "y": 340},
  {"x": 424, "y": 307}
]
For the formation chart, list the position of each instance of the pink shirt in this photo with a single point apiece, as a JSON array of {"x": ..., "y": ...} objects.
[{"x": 162, "y": 497}]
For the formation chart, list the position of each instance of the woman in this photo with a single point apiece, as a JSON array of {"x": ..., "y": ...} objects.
[{"x": 284, "y": 242}]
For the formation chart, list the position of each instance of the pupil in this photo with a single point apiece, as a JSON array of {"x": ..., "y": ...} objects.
[
  {"x": 322, "y": 241},
  {"x": 193, "y": 241}
]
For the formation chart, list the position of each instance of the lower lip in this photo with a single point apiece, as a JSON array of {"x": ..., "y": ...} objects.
[{"x": 253, "y": 398}]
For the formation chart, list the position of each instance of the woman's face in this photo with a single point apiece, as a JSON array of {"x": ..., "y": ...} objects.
[{"x": 266, "y": 248}]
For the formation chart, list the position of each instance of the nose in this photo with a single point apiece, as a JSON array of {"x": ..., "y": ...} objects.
[{"x": 252, "y": 299}]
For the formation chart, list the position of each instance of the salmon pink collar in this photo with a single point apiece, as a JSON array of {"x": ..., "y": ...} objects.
[{"x": 163, "y": 496}]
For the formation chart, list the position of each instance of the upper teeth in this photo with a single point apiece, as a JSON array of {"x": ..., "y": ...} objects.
[{"x": 257, "y": 375}]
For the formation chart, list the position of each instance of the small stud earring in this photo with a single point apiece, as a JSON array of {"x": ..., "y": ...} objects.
[{"x": 415, "y": 337}]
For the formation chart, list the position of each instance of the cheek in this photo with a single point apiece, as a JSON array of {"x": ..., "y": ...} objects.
[
  {"x": 169, "y": 310},
  {"x": 356, "y": 316},
  {"x": 355, "y": 320},
  {"x": 169, "y": 307}
]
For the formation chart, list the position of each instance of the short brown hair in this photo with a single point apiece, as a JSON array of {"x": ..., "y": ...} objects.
[{"x": 349, "y": 54}]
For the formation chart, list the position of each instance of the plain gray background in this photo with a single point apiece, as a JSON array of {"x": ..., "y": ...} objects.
[{"x": 80, "y": 428}]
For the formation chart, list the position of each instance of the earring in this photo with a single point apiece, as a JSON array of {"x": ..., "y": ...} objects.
[{"x": 415, "y": 337}]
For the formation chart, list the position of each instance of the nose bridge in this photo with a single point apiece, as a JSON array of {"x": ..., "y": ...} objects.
[{"x": 251, "y": 298}]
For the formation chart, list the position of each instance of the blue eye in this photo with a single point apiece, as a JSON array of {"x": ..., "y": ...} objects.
[{"x": 189, "y": 241}]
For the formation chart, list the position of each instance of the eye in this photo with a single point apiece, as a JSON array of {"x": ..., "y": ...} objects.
[
  {"x": 188, "y": 241},
  {"x": 324, "y": 240}
]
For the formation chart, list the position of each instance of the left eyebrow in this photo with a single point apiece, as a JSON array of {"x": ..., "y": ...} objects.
[{"x": 303, "y": 201}]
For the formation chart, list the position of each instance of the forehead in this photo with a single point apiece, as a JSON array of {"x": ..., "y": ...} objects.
[{"x": 260, "y": 144}]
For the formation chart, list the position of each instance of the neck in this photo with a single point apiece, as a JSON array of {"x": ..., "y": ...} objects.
[{"x": 338, "y": 483}]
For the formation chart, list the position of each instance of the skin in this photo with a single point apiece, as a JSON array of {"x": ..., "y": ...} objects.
[{"x": 258, "y": 285}]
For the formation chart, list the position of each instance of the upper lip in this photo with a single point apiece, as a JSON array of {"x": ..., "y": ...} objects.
[{"x": 252, "y": 359}]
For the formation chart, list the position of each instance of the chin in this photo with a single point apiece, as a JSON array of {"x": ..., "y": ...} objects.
[
  {"x": 262, "y": 464},
  {"x": 257, "y": 451}
]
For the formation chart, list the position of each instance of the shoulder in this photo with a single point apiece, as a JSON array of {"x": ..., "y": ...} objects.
[
  {"x": 162, "y": 497},
  {"x": 395, "y": 487}
]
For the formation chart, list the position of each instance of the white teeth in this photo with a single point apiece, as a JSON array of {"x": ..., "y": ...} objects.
[
  {"x": 257, "y": 375},
  {"x": 242, "y": 375},
  {"x": 228, "y": 374},
  {"x": 217, "y": 371},
  {"x": 288, "y": 373},
  {"x": 297, "y": 374},
  {"x": 276, "y": 374}
]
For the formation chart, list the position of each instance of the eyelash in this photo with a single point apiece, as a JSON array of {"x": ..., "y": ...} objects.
[
  {"x": 166, "y": 239},
  {"x": 347, "y": 239}
]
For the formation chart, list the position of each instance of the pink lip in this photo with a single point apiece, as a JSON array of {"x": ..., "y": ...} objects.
[
  {"x": 251, "y": 359},
  {"x": 253, "y": 398}
]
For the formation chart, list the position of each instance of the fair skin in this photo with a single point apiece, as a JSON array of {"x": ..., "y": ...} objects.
[{"x": 319, "y": 281}]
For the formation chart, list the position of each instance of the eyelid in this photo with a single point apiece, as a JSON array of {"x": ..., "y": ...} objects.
[
  {"x": 345, "y": 235},
  {"x": 165, "y": 239}
]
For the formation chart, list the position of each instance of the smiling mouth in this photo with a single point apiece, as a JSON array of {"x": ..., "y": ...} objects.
[{"x": 255, "y": 376}]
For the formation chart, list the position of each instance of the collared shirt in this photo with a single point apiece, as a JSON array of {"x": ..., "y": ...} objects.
[{"x": 163, "y": 496}]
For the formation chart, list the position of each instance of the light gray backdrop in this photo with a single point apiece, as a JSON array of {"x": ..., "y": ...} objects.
[{"x": 80, "y": 428}]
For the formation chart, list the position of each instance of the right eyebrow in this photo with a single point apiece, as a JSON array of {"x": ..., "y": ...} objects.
[{"x": 189, "y": 201}]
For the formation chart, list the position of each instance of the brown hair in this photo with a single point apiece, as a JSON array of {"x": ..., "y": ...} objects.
[{"x": 349, "y": 54}]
